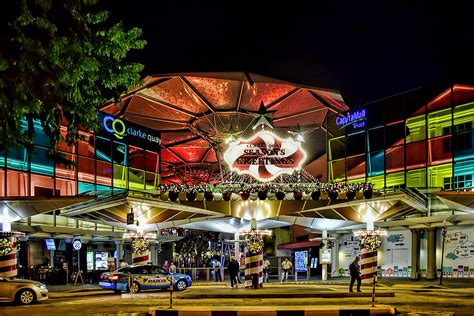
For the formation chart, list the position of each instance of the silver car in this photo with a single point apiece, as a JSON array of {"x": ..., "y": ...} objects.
[{"x": 22, "y": 291}]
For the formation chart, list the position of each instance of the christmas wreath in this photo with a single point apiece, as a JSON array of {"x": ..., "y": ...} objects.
[
  {"x": 254, "y": 244},
  {"x": 140, "y": 246},
  {"x": 370, "y": 242},
  {"x": 6, "y": 246}
]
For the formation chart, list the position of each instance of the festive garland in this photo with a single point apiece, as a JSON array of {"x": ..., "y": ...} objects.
[
  {"x": 6, "y": 247},
  {"x": 140, "y": 246},
  {"x": 370, "y": 242},
  {"x": 254, "y": 244}
]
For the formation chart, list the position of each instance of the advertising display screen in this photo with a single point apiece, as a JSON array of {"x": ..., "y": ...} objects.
[
  {"x": 325, "y": 255},
  {"x": 50, "y": 245},
  {"x": 62, "y": 245},
  {"x": 90, "y": 261},
  {"x": 314, "y": 263},
  {"x": 301, "y": 261},
  {"x": 101, "y": 260}
]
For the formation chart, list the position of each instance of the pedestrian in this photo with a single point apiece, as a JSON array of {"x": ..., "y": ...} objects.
[
  {"x": 166, "y": 265},
  {"x": 216, "y": 266},
  {"x": 123, "y": 263},
  {"x": 286, "y": 265},
  {"x": 354, "y": 269},
  {"x": 233, "y": 272},
  {"x": 266, "y": 269},
  {"x": 172, "y": 268}
]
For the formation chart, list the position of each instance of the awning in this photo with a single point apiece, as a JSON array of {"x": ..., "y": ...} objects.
[{"x": 299, "y": 245}]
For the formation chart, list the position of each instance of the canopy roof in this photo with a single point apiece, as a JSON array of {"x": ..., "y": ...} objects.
[{"x": 195, "y": 111}]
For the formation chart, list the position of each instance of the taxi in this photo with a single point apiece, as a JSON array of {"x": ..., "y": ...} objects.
[{"x": 136, "y": 278}]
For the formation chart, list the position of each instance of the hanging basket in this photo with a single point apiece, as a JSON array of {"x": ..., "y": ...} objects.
[
  {"x": 262, "y": 195},
  {"x": 253, "y": 196},
  {"x": 280, "y": 195},
  {"x": 209, "y": 196},
  {"x": 182, "y": 196},
  {"x": 191, "y": 196},
  {"x": 341, "y": 195},
  {"x": 289, "y": 196},
  {"x": 164, "y": 195},
  {"x": 218, "y": 196},
  {"x": 298, "y": 195},
  {"x": 359, "y": 195},
  {"x": 226, "y": 196},
  {"x": 368, "y": 193},
  {"x": 350, "y": 195},
  {"x": 244, "y": 196},
  {"x": 307, "y": 195},
  {"x": 324, "y": 195},
  {"x": 200, "y": 196},
  {"x": 173, "y": 196},
  {"x": 235, "y": 197},
  {"x": 271, "y": 196},
  {"x": 316, "y": 195},
  {"x": 333, "y": 195}
]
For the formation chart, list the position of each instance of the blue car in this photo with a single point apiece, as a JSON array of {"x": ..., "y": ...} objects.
[{"x": 133, "y": 279}]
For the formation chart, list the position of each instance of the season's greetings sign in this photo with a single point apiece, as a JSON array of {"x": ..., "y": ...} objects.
[{"x": 265, "y": 156}]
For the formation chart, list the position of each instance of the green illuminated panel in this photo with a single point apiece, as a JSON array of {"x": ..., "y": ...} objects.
[
  {"x": 464, "y": 117},
  {"x": 377, "y": 182},
  {"x": 136, "y": 179},
  {"x": 416, "y": 129},
  {"x": 416, "y": 178},
  {"x": 152, "y": 181},
  {"x": 120, "y": 176},
  {"x": 439, "y": 123},
  {"x": 336, "y": 148},
  {"x": 438, "y": 174},
  {"x": 337, "y": 170},
  {"x": 360, "y": 180},
  {"x": 395, "y": 179}
]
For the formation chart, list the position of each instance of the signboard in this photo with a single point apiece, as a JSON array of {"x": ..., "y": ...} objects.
[
  {"x": 90, "y": 261},
  {"x": 356, "y": 119},
  {"x": 50, "y": 245},
  {"x": 77, "y": 245},
  {"x": 325, "y": 256},
  {"x": 101, "y": 259},
  {"x": 265, "y": 156},
  {"x": 121, "y": 129},
  {"x": 314, "y": 263},
  {"x": 62, "y": 245},
  {"x": 301, "y": 261}
]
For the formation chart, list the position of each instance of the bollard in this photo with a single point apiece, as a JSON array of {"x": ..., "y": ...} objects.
[
  {"x": 171, "y": 292},
  {"x": 373, "y": 290}
]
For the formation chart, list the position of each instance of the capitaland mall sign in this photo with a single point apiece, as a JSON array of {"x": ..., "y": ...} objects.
[
  {"x": 356, "y": 119},
  {"x": 265, "y": 156},
  {"x": 121, "y": 130}
]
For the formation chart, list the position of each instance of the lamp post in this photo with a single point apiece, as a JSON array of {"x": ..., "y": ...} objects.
[{"x": 443, "y": 233}]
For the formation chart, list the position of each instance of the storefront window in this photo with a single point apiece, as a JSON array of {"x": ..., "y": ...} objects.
[
  {"x": 17, "y": 183},
  {"x": 85, "y": 187},
  {"x": 65, "y": 187},
  {"x": 42, "y": 186},
  {"x": 439, "y": 123},
  {"x": 40, "y": 163},
  {"x": 440, "y": 176},
  {"x": 337, "y": 170},
  {"x": 416, "y": 178},
  {"x": 463, "y": 146},
  {"x": 104, "y": 173},
  {"x": 355, "y": 144},
  {"x": 337, "y": 148},
  {"x": 463, "y": 117},
  {"x": 17, "y": 159},
  {"x": 86, "y": 169},
  {"x": 355, "y": 167},
  {"x": 395, "y": 158},
  {"x": 439, "y": 150},
  {"x": 375, "y": 139},
  {"x": 375, "y": 163},
  {"x": 395, "y": 179},
  {"x": 416, "y": 155},
  {"x": 416, "y": 129}
]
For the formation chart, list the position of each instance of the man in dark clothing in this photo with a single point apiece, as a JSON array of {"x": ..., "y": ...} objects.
[
  {"x": 233, "y": 272},
  {"x": 354, "y": 269}
]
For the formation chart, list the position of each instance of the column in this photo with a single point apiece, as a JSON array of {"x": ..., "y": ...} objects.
[
  {"x": 153, "y": 253},
  {"x": 431, "y": 255},
  {"x": 119, "y": 250},
  {"x": 324, "y": 266},
  {"x": 335, "y": 258},
  {"x": 415, "y": 254},
  {"x": 237, "y": 247}
]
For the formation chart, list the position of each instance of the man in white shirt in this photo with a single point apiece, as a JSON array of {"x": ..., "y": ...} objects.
[
  {"x": 216, "y": 265},
  {"x": 266, "y": 269},
  {"x": 286, "y": 265}
]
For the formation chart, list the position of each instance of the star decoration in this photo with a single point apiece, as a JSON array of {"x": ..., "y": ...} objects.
[
  {"x": 297, "y": 134},
  {"x": 263, "y": 117},
  {"x": 231, "y": 135}
]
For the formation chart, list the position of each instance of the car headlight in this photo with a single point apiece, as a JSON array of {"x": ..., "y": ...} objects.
[{"x": 41, "y": 286}]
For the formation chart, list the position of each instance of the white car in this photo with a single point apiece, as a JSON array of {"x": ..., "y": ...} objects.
[{"x": 22, "y": 291}]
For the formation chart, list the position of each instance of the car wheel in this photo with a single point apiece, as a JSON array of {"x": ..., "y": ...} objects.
[
  {"x": 181, "y": 285},
  {"x": 135, "y": 288},
  {"x": 25, "y": 297}
]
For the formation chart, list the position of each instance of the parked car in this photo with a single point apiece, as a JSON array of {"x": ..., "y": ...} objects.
[
  {"x": 133, "y": 279},
  {"x": 22, "y": 291}
]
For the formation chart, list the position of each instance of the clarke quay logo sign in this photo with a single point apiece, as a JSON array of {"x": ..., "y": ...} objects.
[
  {"x": 117, "y": 127},
  {"x": 357, "y": 119},
  {"x": 265, "y": 156}
]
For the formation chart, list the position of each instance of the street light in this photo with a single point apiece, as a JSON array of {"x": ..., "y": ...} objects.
[{"x": 443, "y": 233}]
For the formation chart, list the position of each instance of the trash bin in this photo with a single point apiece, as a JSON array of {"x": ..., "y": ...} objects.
[{"x": 255, "y": 280}]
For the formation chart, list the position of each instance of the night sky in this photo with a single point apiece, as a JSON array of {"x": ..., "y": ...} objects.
[{"x": 367, "y": 50}]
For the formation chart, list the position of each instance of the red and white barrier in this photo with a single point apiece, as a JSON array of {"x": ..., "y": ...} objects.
[
  {"x": 141, "y": 259},
  {"x": 253, "y": 265},
  {"x": 8, "y": 261},
  {"x": 368, "y": 265}
]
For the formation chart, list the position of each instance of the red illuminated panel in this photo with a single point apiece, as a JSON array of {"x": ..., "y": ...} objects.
[
  {"x": 263, "y": 92},
  {"x": 174, "y": 137},
  {"x": 299, "y": 102},
  {"x": 463, "y": 94},
  {"x": 169, "y": 156},
  {"x": 416, "y": 155},
  {"x": 222, "y": 94},
  {"x": 143, "y": 107},
  {"x": 331, "y": 98},
  {"x": 210, "y": 156},
  {"x": 304, "y": 119},
  {"x": 439, "y": 150},
  {"x": 156, "y": 124},
  {"x": 190, "y": 154},
  {"x": 395, "y": 159},
  {"x": 174, "y": 91}
]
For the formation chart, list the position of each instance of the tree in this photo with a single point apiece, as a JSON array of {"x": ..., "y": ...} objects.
[{"x": 59, "y": 62}]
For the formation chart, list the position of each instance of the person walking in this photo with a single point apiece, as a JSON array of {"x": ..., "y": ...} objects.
[
  {"x": 216, "y": 266},
  {"x": 123, "y": 263},
  {"x": 266, "y": 269},
  {"x": 233, "y": 272},
  {"x": 354, "y": 270},
  {"x": 286, "y": 265}
]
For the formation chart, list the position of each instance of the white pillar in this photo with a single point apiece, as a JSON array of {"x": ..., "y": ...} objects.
[
  {"x": 237, "y": 247},
  {"x": 335, "y": 257},
  {"x": 324, "y": 273},
  {"x": 153, "y": 253},
  {"x": 119, "y": 250}
]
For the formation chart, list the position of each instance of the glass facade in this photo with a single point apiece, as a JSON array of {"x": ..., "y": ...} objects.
[
  {"x": 422, "y": 138},
  {"x": 100, "y": 162}
]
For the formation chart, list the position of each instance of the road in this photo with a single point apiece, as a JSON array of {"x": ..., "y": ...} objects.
[{"x": 407, "y": 299}]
